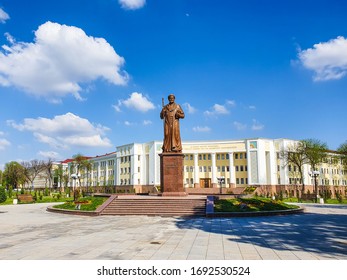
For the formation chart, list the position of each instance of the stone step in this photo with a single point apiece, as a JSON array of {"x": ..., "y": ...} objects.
[{"x": 160, "y": 207}]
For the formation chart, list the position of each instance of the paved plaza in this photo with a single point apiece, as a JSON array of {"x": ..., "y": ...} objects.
[{"x": 30, "y": 232}]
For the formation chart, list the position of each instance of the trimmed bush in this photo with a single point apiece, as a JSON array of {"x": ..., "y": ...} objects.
[{"x": 3, "y": 195}]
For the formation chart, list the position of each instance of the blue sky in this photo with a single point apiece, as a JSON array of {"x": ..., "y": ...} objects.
[{"x": 87, "y": 76}]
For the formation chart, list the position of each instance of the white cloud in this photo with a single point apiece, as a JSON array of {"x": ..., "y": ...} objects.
[
  {"x": 4, "y": 143},
  {"x": 64, "y": 131},
  {"x": 49, "y": 154},
  {"x": 328, "y": 59},
  {"x": 252, "y": 107},
  {"x": 3, "y": 16},
  {"x": 201, "y": 129},
  {"x": 127, "y": 123},
  {"x": 257, "y": 126},
  {"x": 190, "y": 108},
  {"x": 60, "y": 61},
  {"x": 239, "y": 126},
  {"x": 136, "y": 101},
  {"x": 147, "y": 122},
  {"x": 217, "y": 109},
  {"x": 231, "y": 103},
  {"x": 132, "y": 4}
]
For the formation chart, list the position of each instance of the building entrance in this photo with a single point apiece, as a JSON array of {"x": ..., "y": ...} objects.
[{"x": 205, "y": 182}]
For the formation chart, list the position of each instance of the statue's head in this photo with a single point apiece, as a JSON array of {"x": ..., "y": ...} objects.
[{"x": 171, "y": 98}]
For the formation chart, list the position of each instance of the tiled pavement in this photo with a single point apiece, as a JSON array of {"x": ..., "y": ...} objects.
[{"x": 30, "y": 232}]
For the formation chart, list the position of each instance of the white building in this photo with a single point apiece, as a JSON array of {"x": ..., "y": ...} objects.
[{"x": 239, "y": 163}]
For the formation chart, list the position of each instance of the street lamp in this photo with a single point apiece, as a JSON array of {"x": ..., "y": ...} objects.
[
  {"x": 74, "y": 177},
  {"x": 221, "y": 181},
  {"x": 315, "y": 174}
]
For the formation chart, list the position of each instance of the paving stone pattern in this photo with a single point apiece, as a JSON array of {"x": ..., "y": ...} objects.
[{"x": 30, "y": 232}]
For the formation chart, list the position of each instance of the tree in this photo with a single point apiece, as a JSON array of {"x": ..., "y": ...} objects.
[
  {"x": 316, "y": 153},
  {"x": 1, "y": 178},
  {"x": 295, "y": 155},
  {"x": 32, "y": 169},
  {"x": 48, "y": 168},
  {"x": 59, "y": 173},
  {"x": 342, "y": 149},
  {"x": 3, "y": 195},
  {"x": 14, "y": 174}
]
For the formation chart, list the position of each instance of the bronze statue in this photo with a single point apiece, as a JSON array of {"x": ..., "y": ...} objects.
[{"x": 171, "y": 113}]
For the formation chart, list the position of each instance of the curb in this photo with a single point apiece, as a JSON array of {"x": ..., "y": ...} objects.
[{"x": 255, "y": 214}]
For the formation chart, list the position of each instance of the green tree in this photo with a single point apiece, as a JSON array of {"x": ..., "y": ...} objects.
[
  {"x": 3, "y": 195},
  {"x": 59, "y": 173},
  {"x": 342, "y": 150},
  {"x": 14, "y": 174}
]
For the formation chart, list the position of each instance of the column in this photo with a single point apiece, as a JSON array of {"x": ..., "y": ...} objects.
[
  {"x": 196, "y": 171},
  {"x": 106, "y": 172},
  {"x": 98, "y": 181},
  {"x": 231, "y": 170},
  {"x": 214, "y": 171}
]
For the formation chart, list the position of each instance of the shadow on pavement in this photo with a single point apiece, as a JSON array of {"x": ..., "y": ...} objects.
[{"x": 316, "y": 233}]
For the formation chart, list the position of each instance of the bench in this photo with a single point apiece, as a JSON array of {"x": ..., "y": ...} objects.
[{"x": 25, "y": 198}]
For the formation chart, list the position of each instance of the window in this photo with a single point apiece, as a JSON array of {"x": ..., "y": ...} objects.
[
  {"x": 227, "y": 156},
  {"x": 200, "y": 157},
  {"x": 218, "y": 157},
  {"x": 209, "y": 157},
  {"x": 241, "y": 155},
  {"x": 237, "y": 181},
  {"x": 236, "y": 168},
  {"x": 223, "y": 168},
  {"x": 236, "y": 155},
  {"x": 222, "y": 156},
  {"x": 204, "y": 157},
  {"x": 242, "y": 181},
  {"x": 205, "y": 168},
  {"x": 241, "y": 168}
]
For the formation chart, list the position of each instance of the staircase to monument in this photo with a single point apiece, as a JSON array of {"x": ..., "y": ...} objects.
[{"x": 156, "y": 206}]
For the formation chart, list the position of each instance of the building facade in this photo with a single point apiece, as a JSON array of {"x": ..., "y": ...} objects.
[{"x": 207, "y": 164}]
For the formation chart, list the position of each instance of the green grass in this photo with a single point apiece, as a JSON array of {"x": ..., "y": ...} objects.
[
  {"x": 90, "y": 203},
  {"x": 250, "y": 205},
  {"x": 327, "y": 201}
]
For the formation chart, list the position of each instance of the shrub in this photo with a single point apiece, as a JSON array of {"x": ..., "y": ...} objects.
[
  {"x": 3, "y": 195},
  {"x": 10, "y": 191}
]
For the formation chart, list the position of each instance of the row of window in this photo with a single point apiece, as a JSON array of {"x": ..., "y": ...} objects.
[
  {"x": 218, "y": 156},
  {"x": 238, "y": 168}
]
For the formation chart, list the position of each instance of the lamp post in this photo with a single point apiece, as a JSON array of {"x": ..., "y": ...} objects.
[
  {"x": 74, "y": 177},
  {"x": 221, "y": 181},
  {"x": 315, "y": 174}
]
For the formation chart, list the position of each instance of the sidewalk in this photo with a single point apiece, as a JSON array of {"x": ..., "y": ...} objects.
[{"x": 30, "y": 232}]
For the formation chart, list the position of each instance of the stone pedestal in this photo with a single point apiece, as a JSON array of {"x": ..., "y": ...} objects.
[{"x": 171, "y": 174}]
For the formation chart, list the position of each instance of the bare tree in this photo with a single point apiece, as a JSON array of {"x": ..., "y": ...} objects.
[
  {"x": 32, "y": 169},
  {"x": 295, "y": 155},
  {"x": 48, "y": 167}
]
